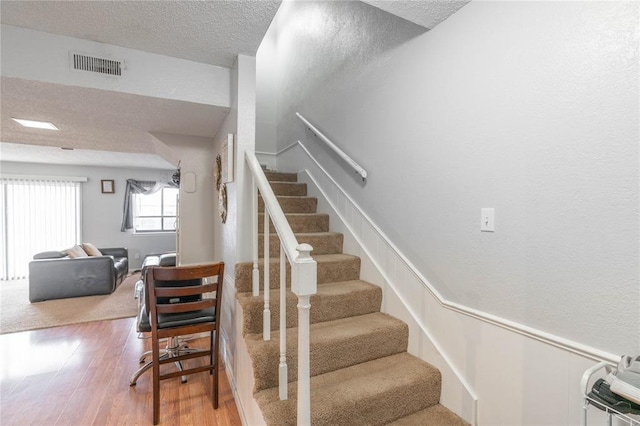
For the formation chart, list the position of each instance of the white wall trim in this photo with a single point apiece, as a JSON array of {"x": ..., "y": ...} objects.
[
  {"x": 384, "y": 265},
  {"x": 228, "y": 368},
  {"x": 270, "y": 158},
  {"x": 266, "y": 154},
  {"x": 228, "y": 353},
  {"x": 548, "y": 338},
  {"x": 287, "y": 148},
  {"x": 468, "y": 388}
]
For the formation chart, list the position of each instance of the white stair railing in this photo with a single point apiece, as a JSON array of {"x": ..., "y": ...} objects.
[{"x": 303, "y": 284}]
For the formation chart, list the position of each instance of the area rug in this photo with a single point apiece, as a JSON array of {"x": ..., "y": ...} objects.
[{"x": 18, "y": 314}]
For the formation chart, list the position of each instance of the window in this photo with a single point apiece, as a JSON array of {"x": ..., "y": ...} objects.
[
  {"x": 37, "y": 215},
  {"x": 156, "y": 212}
]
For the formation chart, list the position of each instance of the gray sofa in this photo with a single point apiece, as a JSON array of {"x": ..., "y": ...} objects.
[{"x": 54, "y": 275}]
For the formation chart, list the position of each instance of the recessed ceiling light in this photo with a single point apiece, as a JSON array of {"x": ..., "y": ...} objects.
[{"x": 35, "y": 124}]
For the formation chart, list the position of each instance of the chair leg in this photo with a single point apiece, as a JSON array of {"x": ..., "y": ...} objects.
[
  {"x": 156, "y": 382},
  {"x": 144, "y": 368},
  {"x": 144, "y": 356},
  {"x": 211, "y": 356},
  {"x": 174, "y": 348},
  {"x": 214, "y": 356}
]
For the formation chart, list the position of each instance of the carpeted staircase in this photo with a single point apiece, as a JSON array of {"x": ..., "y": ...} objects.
[{"x": 361, "y": 371}]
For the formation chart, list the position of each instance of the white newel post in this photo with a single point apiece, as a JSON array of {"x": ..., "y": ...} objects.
[
  {"x": 304, "y": 284},
  {"x": 266, "y": 315},
  {"x": 254, "y": 208}
]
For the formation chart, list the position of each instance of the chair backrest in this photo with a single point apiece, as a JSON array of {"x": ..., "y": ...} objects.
[
  {"x": 165, "y": 259},
  {"x": 180, "y": 289}
]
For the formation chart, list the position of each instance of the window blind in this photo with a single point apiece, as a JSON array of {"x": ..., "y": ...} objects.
[{"x": 37, "y": 215}]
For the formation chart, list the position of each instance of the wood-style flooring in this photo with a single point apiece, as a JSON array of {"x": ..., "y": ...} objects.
[{"x": 79, "y": 375}]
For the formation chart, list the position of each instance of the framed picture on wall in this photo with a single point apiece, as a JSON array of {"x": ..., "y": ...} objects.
[
  {"x": 227, "y": 158},
  {"x": 107, "y": 186}
]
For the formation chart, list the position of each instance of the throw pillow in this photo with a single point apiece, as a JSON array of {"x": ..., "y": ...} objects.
[
  {"x": 90, "y": 249},
  {"x": 76, "y": 251}
]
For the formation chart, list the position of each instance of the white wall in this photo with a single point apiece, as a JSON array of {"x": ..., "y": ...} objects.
[
  {"x": 102, "y": 213},
  {"x": 266, "y": 111},
  {"x": 494, "y": 372},
  {"x": 527, "y": 107},
  {"x": 197, "y": 237},
  {"x": 233, "y": 238},
  {"x": 225, "y": 240}
]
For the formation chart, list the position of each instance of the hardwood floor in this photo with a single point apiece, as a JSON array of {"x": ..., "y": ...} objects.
[{"x": 79, "y": 375}]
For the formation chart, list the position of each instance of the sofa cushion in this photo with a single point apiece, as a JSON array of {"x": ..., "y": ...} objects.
[
  {"x": 76, "y": 251},
  {"x": 167, "y": 259},
  {"x": 50, "y": 255},
  {"x": 90, "y": 249}
]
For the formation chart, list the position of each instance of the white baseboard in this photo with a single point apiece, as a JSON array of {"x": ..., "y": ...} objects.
[{"x": 227, "y": 359}]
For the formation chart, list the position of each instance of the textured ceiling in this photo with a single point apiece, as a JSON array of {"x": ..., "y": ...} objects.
[
  {"x": 99, "y": 119},
  {"x": 93, "y": 121},
  {"x": 211, "y": 32},
  {"x": 105, "y": 126},
  {"x": 80, "y": 157},
  {"x": 427, "y": 13}
]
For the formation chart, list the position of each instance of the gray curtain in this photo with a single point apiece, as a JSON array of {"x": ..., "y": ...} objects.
[{"x": 138, "y": 187}]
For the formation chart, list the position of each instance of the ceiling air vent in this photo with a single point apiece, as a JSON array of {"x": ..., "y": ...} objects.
[{"x": 82, "y": 62}]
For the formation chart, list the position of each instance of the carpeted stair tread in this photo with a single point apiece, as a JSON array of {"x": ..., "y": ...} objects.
[
  {"x": 332, "y": 301},
  {"x": 371, "y": 393},
  {"x": 301, "y": 222},
  {"x": 274, "y": 176},
  {"x": 432, "y": 416},
  {"x": 322, "y": 242},
  {"x": 331, "y": 268},
  {"x": 292, "y": 204},
  {"x": 289, "y": 188},
  {"x": 334, "y": 345}
]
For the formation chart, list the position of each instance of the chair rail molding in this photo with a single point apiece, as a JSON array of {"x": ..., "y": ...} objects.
[{"x": 548, "y": 338}]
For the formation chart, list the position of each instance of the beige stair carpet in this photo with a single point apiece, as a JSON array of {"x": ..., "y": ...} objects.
[
  {"x": 361, "y": 371},
  {"x": 333, "y": 301}
]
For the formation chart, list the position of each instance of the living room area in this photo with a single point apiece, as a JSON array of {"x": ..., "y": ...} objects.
[
  {"x": 450, "y": 205},
  {"x": 93, "y": 217},
  {"x": 68, "y": 360},
  {"x": 162, "y": 118}
]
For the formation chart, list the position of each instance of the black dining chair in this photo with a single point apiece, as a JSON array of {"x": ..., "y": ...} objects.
[{"x": 178, "y": 307}]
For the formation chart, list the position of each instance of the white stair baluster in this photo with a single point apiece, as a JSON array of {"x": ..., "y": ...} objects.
[
  {"x": 266, "y": 314},
  {"x": 256, "y": 272}
]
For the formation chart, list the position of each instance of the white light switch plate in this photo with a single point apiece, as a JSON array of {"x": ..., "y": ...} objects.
[{"x": 487, "y": 219}]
